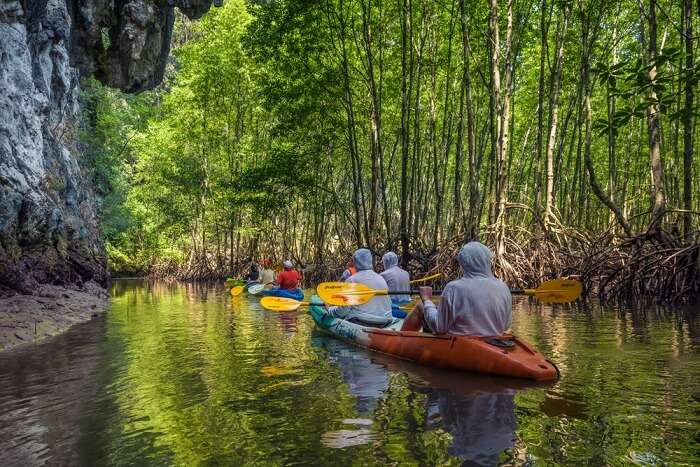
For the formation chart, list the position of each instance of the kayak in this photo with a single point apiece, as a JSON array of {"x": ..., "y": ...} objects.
[
  {"x": 397, "y": 311},
  {"x": 296, "y": 294},
  {"x": 505, "y": 355},
  {"x": 234, "y": 282}
]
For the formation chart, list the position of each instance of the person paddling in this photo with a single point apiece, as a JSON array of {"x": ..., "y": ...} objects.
[
  {"x": 267, "y": 275},
  {"x": 254, "y": 273},
  {"x": 396, "y": 277},
  {"x": 477, "y": 304},
  {"x": 289, "y": 278},
  {"x": 377, "y": 309}
]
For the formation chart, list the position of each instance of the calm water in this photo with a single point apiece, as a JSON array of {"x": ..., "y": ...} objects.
[{"x": 184, "y": 375}]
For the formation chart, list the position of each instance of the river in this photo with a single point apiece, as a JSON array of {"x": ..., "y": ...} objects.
[{"x": 182, "y": 374}]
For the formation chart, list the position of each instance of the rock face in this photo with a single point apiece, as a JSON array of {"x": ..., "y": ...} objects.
[{"x": 48, "y": 224}]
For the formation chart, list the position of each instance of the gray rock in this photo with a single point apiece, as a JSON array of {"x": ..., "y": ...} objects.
[{"x": 48, "y": 223}]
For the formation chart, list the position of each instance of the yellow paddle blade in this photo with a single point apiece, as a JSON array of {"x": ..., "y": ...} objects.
[
  {"x": 236, "y": 291},
  {"x": 281, "y": 303},
  {"x": 557, "y": 291},
  {"x": 346, "y": 293},
  {"x": 426, "y": 279}
]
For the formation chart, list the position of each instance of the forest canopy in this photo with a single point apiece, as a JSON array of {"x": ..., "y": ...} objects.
[{"x": 561, "y": 133}]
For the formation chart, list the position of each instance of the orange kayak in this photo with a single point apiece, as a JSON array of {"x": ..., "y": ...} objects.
[
  {"x": 505, "y": 355},
  {"x": 479, "y": 354}
]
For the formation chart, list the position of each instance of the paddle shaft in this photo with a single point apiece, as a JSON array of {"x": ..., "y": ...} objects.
[
  {"x": 425, "y": 279},
  {"x": 439, "y": 292},
  {"x": 410, "y": 292},
  {"x": 350, "y": 294},
  {"x": 534, "y": 291}
]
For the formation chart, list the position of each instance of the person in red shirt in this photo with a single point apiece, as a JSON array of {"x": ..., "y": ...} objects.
[
  {"x": 351, "y": 270},
  {"x": 289, "y": 278}
]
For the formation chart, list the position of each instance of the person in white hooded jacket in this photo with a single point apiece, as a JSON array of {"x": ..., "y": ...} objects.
[
  {"x": 379, "y": 306},
  {"x": 477, "y": 304},
  {"x": 396, "y": 278}
]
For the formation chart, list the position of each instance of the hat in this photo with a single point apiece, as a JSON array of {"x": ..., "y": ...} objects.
[{"x": 288, "y": 264}]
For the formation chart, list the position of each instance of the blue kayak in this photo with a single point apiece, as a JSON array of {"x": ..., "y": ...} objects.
[
  {"x": 296, "y": 294},
  {"x": 397, "y": 312}
]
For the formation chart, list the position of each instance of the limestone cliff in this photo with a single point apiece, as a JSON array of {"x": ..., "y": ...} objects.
[{"x": 48, "y": 228}]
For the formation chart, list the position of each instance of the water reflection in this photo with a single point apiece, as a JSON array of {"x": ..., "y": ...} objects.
[
  {"x": 482, "y": 425},
  {"x": 477, "y": 411},
  {"x": 184, "y": 375},
  {"x": 367, "y": 381},
  {"x": 45, "y": 395}
]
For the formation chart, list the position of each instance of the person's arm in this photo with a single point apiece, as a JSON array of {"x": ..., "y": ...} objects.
[{"x": 439, "y": 319}]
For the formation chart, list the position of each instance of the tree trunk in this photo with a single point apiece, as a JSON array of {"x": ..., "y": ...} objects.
[
  {"x": 688, "y": 119},
  {"x": 358, "y": 198},
  {"x": 588, "y": 41},
  {"x": 540, "y": 104},
  {"x": 446, "y": 137},
  {"x": 612, "y": 138},
  {"x": 554, "y": 114},
  {"x": 501, "y": 111},
  {"x": 375, "y": 118},
  {"x": 472, "y": 220},
  {"x": 405, "y": 97},
  {"x": 653, "y": 125}
]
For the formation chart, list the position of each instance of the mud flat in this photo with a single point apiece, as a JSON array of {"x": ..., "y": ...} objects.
[{"x": 51, "y": 310}]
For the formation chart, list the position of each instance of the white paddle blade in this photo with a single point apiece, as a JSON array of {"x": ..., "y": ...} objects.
[{"x": 256, "y": 289}]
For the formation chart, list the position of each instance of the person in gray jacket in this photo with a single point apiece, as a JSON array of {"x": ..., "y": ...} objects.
[
  {"x": 477, "y": 304},
  {"x": 380, "y": 305},
  {"x": 396, "y": 278}
]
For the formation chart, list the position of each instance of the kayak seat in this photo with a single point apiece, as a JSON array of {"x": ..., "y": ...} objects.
[
  {"x": 506, "y": 343},
  {"x": 371, "y": 321}
]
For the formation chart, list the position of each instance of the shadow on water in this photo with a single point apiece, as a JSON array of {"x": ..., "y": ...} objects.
[{"x": 181, "y": 374}]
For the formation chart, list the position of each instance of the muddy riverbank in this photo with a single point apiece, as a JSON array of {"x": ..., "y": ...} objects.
[{"x": 51, "y": 310}]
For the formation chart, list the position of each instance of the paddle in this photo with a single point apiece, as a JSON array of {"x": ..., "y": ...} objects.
[
  {"x": 425, "y": 279},
  {"x": 237, "y": 290},
  {"x": 350, "y": 293},
  {"x": 257, "y": 288},
  {"x": 283, "y": 304},
  {"x": 554, "y": 291}
]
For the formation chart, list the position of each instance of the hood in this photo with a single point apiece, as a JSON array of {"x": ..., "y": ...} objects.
[
  {"x": 390, "y": 260},
  {"x": 362, "y": 259},
  {"x": 475, "y": 259}
]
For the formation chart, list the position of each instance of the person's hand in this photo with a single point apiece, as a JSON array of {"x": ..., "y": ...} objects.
[{"x": 425, "y": 292}]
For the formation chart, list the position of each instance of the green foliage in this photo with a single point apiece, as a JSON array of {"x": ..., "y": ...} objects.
[
  {"x": 111, "y": 121},
  {"x": 281, "y": 128}
]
